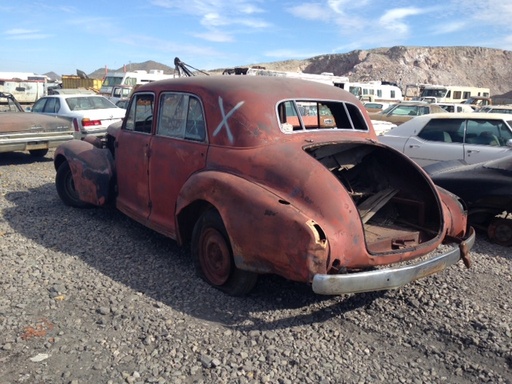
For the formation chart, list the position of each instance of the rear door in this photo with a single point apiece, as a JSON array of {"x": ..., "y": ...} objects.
[{"x": 178, "y": 150}]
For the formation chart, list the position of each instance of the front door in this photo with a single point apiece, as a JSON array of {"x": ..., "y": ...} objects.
[{"x": 132, "y": 158}]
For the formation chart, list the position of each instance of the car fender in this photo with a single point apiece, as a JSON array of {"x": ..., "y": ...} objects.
[
  {"x": 268, "y": 234},
  {"x": 93, "y": 170}
]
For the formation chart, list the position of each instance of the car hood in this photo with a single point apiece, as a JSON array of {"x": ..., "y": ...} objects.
[{"x": 31, "y": 122}]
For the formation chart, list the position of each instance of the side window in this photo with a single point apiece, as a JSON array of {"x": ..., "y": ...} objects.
[
  {"x": 39, "y": 105},
  {"x": 443, "y": 130},
  {"x": 52, "y": 105},
  {"x": 181, "y": 116},
  {"x": 140, "y": 116}
]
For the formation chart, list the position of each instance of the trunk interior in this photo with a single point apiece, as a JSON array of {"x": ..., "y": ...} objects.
[{"x": 396, "y": 203}]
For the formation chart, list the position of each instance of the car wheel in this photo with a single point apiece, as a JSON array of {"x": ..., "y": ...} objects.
[
  {"x": 38, "y": 152},
  {"x": 213, "y": 257},
  {"x": 500, "y": 231},
  {"x": 66, "y": 187}
]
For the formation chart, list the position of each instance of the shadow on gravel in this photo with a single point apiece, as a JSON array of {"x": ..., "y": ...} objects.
[
  {"x": 154, "y": 265},
  {"x": 19, "y": 158}
]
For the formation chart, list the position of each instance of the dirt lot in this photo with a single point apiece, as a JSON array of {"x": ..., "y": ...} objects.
[{"x": 89, "y": 296}]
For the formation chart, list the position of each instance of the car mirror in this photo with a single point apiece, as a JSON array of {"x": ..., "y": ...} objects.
[
  {"x": 28, "y": 109},
  {"x": 509, "y": 143}
]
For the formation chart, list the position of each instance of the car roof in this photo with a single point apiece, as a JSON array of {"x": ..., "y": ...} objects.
[{"x": 252, "y": 102}]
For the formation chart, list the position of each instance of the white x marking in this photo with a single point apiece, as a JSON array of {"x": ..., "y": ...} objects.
[{"x": 225, "y": 118}]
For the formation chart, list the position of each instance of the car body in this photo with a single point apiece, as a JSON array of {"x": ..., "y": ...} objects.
[
  {"x": 496, "y": 109},
  {"x": 91, "y": 114},
  {"x": 487, "y": 190},
  {"x": 231, "y": 166},
  {"x": 22, "y": 131},
  {"x": 471, "y": 137},
  {"x": 401, "y": 112}
]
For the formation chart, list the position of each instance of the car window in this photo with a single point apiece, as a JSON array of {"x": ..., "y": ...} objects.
[
  {"x": 443, "y": 130},
  {"x": 139, "y": 117},
  {"x": 52, "y": 105},
  {"x": 181, "y": 116},
  {"x": 487, "y": 132},
  {"x": 300, "y": 115},
  {"x": 405, "y": 110},
  {"x": 39, "y": 105}
]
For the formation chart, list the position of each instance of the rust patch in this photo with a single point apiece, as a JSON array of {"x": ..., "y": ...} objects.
[{"x": 40, "y": 329}]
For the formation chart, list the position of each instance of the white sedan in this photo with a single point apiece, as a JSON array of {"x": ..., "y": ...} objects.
[
  {"x": 91, "y": 114},
  {"x": 470, "y": 137}
]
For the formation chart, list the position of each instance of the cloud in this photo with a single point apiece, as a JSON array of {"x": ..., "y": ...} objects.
[
  {"x": 25, "y": 34},
  {"x": 392, "y": 19},
  {"x": 219, "y": 17}
]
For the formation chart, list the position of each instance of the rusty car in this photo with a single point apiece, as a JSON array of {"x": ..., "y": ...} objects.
[
  {"x": 486, "y": 188},
  {"x": 229, "y": 165},
  {"x": 24, "y": 131}
]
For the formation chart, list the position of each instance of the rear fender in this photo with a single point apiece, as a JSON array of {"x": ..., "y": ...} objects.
[
  {"x": 93, "y": 170},
  {"x": 267, "y": 233}
]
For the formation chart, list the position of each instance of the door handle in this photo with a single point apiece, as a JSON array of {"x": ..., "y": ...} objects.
[
  {"x": 414, "y": 146},
  {"x": 473, "y": 151}
]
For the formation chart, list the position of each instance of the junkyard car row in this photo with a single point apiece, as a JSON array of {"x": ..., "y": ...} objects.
[{"x": 288, "y": 177}]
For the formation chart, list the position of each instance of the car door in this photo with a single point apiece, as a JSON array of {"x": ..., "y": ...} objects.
[
  {"x": 486, "y": 139},
  {"x": 132, "y": 158},
  {"x": 438, "y": 140},
  {"x": 178, "y": 150}
]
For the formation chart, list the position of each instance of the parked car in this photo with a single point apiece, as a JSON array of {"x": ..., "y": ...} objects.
[
  {"x": 487, "y": 190},
  {"x": 91, "y": 114},
  {"x": 496, "y": 109},
  {"x": 22, "y": 131},
  {"x": 472, "y": 137},
  {"x": 405, "y": 111},
  {"x": 229, "y": 165}
]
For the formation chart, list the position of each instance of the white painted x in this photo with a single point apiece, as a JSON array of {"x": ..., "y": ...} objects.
[{"x": 225, "y": 118}]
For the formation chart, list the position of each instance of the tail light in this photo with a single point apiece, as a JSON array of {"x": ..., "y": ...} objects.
[
  {"x": 75, "y": 125},
  {"x": 86, "y": 122}
]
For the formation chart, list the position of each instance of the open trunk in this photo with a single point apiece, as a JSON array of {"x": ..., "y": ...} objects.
[{"x": 398, "y": 205}]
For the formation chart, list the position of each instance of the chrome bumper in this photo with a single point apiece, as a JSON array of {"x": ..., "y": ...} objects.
[{"x": 390, "y": 278}]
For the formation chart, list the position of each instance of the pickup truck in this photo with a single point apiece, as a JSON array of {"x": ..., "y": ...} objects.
[{"x": 35, "y": 133}]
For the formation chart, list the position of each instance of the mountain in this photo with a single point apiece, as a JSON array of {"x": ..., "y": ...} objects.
[
  {"x": 470, "y": 66},
  {"x": 146, "y": 66}
]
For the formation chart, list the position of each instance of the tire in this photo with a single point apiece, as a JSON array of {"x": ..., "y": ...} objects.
[
  {"x": 213, "y": 257},
  {"x": 38, "y": 152},
  {"x": 66, "y": 187},
  {"x": 500, "y": 231}
]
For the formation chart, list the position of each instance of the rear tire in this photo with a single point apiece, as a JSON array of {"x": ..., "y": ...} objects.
[
  {"x": 66, "y": 187},
  {"x": 213, "y": 257},
  {"x": 38, "y": 152},
  {"x": 500, "y": 231}
]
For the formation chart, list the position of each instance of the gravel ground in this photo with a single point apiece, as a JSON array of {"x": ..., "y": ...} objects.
[{"x": 90, "y": 296}]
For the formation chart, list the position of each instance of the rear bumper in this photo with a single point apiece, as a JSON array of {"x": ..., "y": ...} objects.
[{"x": 390, "y": 278}]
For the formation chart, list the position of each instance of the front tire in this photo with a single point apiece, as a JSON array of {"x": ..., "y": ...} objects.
[
  {"x": 213, "y": 257},
  {"x": 66, "y": 187}
]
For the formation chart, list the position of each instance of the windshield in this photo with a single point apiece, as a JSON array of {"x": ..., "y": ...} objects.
[
  {"x": 434, "y": 92},
  {"x": 112, "y": 80}
]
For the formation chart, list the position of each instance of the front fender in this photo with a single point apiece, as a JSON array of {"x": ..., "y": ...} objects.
[
  {"x": 268, "y": 234},
  {"x": 455, "y": 214},
  {"x": 93, "y": 170}
]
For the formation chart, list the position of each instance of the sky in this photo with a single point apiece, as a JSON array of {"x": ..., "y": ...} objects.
[{"x": 63, "y": 36}]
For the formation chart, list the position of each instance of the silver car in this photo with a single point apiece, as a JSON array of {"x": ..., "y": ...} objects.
[{"x": 470, "y": 137}]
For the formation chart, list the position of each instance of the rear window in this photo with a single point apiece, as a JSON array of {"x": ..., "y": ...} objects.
[{"x": 302, "y": 115}]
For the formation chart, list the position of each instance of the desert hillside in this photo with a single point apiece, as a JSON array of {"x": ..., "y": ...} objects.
[{"x": 471, "y": 66}]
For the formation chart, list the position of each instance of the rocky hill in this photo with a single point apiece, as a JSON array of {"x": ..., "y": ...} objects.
[{"x": 471, "y": 66}]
